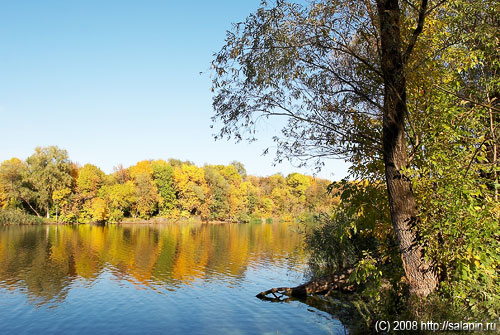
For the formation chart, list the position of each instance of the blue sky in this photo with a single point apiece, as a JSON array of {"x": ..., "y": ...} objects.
[{"x": 119, "y": 81}]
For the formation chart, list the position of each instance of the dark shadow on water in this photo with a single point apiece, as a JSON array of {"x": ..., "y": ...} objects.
[{"x": 338, "y": 307}]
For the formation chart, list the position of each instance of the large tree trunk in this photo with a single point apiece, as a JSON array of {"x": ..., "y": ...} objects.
[{"x": 420, "y": 275}]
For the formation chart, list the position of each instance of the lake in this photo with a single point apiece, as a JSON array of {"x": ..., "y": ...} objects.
[{"x": 153, "y": 279}]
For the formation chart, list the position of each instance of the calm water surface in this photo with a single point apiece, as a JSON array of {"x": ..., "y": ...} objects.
[{"x": 153, "y": 279}]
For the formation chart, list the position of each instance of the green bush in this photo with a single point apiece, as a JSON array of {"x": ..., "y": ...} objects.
[
  {"x": 255, "y": 219},
  {"x": 331, "y": 250},
  {"x": 243, "y": 218},
  {"x": 17, "y": 217}
]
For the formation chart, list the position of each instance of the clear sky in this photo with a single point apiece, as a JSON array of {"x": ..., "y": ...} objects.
[{"x": 119, "y": 81}]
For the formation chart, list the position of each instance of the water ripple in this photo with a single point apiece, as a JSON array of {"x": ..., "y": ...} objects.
[{"x": 184, "y": 279}]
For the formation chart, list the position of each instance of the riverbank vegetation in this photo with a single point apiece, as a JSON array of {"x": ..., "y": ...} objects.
[
  {"x": 408, "y": 93},
  {"x": 48, "y": 184},
  {"x": 18, "y": 217}
]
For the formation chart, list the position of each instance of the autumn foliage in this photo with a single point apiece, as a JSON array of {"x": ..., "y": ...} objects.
[{"x": 49, "y": 184}]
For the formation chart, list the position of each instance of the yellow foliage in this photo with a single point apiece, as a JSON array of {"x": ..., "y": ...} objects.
[
  {"x": 10, "y": 175},
  {"x": 62, "y": 200},
  {"x": 174, "y": 214},
  {"x": 89, "y": 181},
  {"x": 192, "y": 189},
  {"x": 267, "y": 206},
  {"x": 121, "y": 196},
  {"x": 142, "y": 167},
  {"x": 282, "y": 199},
  {"x": 3, "y": 198},
  {"x": 298, "y": 184},
  {"x": 13, "y": 161},
  {"x": 147, "y": 196},
  {"x": 174, "y": 189},
  {"x": 99, "y": 210},
  {"x": 61, "y": 196}
]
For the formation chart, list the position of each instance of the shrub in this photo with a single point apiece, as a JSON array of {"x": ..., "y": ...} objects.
[{"x": 17, "y": 217}]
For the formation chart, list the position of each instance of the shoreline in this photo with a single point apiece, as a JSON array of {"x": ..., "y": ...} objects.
[{"x": 158, "y": 220}]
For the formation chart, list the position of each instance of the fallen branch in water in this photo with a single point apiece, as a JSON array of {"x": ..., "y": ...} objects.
[{"x": 324, "y": 285}]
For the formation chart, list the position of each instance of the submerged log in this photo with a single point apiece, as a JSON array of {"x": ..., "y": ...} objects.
[{"x": 324, "y": 285}]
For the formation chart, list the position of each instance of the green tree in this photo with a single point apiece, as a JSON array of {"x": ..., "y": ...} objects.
[
  {"x": 352, "y": 78},
  {"x": 163, "y": 177},
  {"x": 48, "y": 170},
  {"x": 455, "y": 176},
  {"x": 225, "y": 193},
  {"x": 407, "y": 92},
  {"x": 13, "y": 174},
  {"x": 240, "y": 168}
]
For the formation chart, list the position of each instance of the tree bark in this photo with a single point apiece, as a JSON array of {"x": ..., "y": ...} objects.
[{"x": 422, "y": 278}]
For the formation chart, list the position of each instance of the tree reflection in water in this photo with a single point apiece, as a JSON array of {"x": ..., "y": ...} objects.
[{"x": 44, "y": 261}]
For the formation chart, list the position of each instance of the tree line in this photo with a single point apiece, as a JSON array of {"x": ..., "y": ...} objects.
[{"x": 48, "y": 184}]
